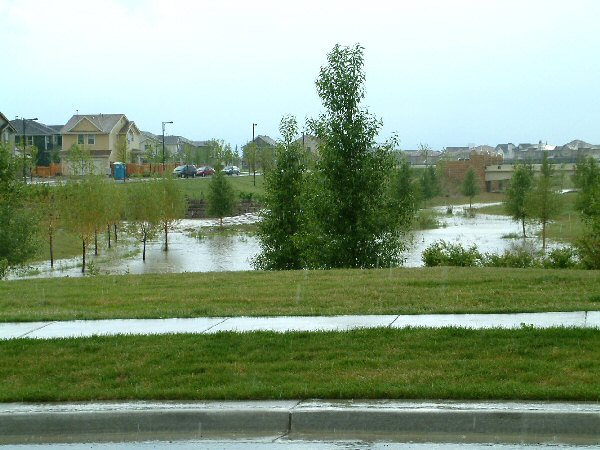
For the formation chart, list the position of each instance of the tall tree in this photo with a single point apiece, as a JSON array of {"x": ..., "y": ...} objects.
[
  {"x": 280, "y": 226},
  {"x": 470, "y": 186},
  {"x": 587, "y": 179},
  {"x": 429, "y": 184},
  {"x": 48, "y": 204},
  {"x": 352, "y": 223},
  {"x": 543, "y": 203},
  {"x": 221, "y": 197},
  {"x": 405, "y": 192},
  {"x": 520, "y": 185}
]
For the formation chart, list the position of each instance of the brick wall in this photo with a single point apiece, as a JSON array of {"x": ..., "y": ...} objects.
[{"x": 455, "y": 171}]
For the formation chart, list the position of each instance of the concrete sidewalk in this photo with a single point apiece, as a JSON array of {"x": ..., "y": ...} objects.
[
  {"x": 396, "y": 421},
  {"x": 205, "y": 325}
]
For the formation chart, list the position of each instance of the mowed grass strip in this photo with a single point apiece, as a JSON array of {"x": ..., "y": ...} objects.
[
  {"x": 552, "y": 364},
  {"x": 332, "y": 292}
]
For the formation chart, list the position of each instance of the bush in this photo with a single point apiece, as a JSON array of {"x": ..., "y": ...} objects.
[
  {"x": 561, "y": 258},
  {"x": 441, "y": 253},
  {"x": 521, "y": 255},
  {"x": 427, "y": 220}
]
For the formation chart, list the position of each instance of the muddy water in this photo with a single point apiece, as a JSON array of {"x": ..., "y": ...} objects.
[{"x": 234, "y": 252}]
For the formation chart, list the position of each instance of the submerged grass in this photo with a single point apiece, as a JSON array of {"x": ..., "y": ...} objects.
[
  {"x": 381, "y": 291},
  {"x": 554, "y": 364}
]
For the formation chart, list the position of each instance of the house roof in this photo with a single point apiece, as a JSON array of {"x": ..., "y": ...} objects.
[
  {"x": 105, "y": 123},
  {"x": 4, "y": 123},
  {"x": 32, "y": 128},
  {"x": 266, "y": 139}
]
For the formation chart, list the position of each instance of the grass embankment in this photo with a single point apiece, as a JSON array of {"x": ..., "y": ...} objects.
[
  {"x": 197, "y": 188},
  {"x": 383, "y": 291},
  {"x": 555, "y": 364}
]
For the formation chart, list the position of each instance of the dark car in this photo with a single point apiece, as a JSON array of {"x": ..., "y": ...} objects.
[
  {"x": 231, "y": 170},
  {"x": 204, "y": 171},
  {"x": 187, "y": 170}
]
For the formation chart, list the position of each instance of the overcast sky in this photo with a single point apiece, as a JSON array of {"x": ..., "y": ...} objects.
[{"x": 445, "y": 73}]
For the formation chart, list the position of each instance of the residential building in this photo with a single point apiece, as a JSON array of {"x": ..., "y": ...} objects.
[
  {"x": 7, "y": 131},
  {"x": 102, "y": 135},
  {"x": 46, "y": 138}
]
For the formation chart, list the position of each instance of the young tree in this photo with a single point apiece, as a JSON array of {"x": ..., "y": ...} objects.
[
  {"x": 587, "y": 179},
  {"x": 49, "y": 207},
  {"x": 470, "y": 186},
  {"x": 429, "y": 184},
  {"x": 543, "y": 203},
  {"x": 221, "y": 198},
  {"x": 122, "y": 149},
  {"x": 171, "y": 204},
  {"x": 17, "y": 223},
  {"x": 352, "y": 222},
  {"x": 280, "y": 226},
  {"x": 79, "y": 213},
  {"x": 520, "y": 185},
  {"x": 405, "y": 192},
  {"x": 251, "y": 156},
  {"x": 80, "y": 160},
  {"x": 143, "y": 216}
]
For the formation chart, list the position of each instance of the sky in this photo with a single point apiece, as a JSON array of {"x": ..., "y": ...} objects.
[{"x": 438, "y": 72}]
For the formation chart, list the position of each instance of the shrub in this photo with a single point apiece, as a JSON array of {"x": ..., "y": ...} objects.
[
  {"x": 427, "y": 220},
  {"x": 442, "y": 253},
  {"x": 561, "y": 258}
]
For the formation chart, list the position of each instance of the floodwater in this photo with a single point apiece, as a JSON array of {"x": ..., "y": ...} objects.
[{"x": 234, "y": 252}]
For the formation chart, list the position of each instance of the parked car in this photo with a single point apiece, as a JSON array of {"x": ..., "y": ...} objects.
[
  {"x": 184, "y": 171},
  {"x": 204, "y": 171},
  {"x": 231, "y": 170}
]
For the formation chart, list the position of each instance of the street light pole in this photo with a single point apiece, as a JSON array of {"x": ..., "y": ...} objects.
[
  {"x": 163, "y": 145},
  {"x": 254, "y": 156},
  {"x": 24, "y": 143}
]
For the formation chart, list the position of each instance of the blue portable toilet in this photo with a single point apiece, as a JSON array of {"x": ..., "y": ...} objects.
[{"x": 119, "y": 171}]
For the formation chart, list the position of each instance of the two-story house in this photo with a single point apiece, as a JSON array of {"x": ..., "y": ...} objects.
[
  {"x": 108, "y": 138},
  {"x": 46, "y": 138},
  {"x": 7, "y": 131}
]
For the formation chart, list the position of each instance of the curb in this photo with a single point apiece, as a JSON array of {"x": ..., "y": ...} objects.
[{"x": 384, "y": 419}]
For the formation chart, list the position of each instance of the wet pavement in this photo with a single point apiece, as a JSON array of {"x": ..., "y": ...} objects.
[{"x": 282, "y": 324}]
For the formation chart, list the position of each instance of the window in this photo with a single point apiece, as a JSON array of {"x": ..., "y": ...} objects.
[
  {"x": 80, "y": 139},
  {"x": 29, "y": 140},
  {"x": 91, "y": 139}
]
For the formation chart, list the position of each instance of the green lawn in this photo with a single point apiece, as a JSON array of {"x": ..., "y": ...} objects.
[
  {"x": 197, "y": 188},
  {"x": 554, "y": 364},
  {"x": 383, "y": 291}
]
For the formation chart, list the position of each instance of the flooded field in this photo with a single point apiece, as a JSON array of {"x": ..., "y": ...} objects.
[{"x": 192, "y": 250}]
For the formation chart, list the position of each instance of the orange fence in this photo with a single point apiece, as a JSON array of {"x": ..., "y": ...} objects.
[
  {"x": 141, "y": 169},
  {"x": 48, "y": 171}
]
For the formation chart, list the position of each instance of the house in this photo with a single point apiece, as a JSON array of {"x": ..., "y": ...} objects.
[
  {"x": 46, "y": 138},
  {"x": 102, "y": 135},
  {"x": 7, "y": 131},
  {"x": 507, "y": 150},
  {"x": 309, "y": 143},
  {"x": 265, "y": 141}
]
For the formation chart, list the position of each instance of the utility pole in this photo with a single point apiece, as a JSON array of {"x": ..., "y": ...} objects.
[
  {"x": 254, "y": 168},
  {"x": 24, "y": 142},
  {"x": 163, "y": 146}
]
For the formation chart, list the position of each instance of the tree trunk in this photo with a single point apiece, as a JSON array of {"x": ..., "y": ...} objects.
[
  {"x": 544, "y": 236},
  {"x": 144, "y": 251},
  {"x": 523, "y": 224},
  {"x": 166, "y": 238},
  {"x": 83, "y": 257},
  {"x": 51, "y": 253},
  {"x": 108, "y": 226},
  {"x": 96, "y": 241},
  {"x": 115, "y": 227}
]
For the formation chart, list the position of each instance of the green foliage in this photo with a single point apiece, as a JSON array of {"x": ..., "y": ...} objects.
[
  {"x": 122, "y": 150},
  {"x": 543, "y": 202},
  {"x": 587, "y": 179},
  {"x": 470, "y": 186},
  {"x": 351, "y": 217},
  {"x": 561, "y": 258},
  {"x": 429, "y": 184},
  {"x": 405, "y": 192},
  {"x": 442, "y": 253},
  {"x": 17, "y": 222},
  {"x": 221, "y": 197},
  {"x": 281, "y": 225},
  {"x": 516, "y": 194},
  {"x": 80, "y": 161},
  {"x": 142, "y": 213},
  {"x": 171, "y": 204}
]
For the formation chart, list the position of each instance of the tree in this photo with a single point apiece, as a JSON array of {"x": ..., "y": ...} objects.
[
  {"x": 405, "y": 192},
  {"x": 143, "y": 216},
  {"x": 80, "y": 160},
  {"x": 17, "y": 222},
  {"x": 171, "y": 204},
  {"x": 543, "y": 203},
  {"x": 470, "y": 186},
  {"x": 351, "y": 219},
  {"x": 121, "y": 149},
  {"x": 221, "y": 198},
  {"x": 587, "y": 179},
  {"x": 516, "y": 194},
  {"x": 280, "y": 227},
  {"x": 429, "y": 184},
  {"x": 251, "y": 152},
  {"x": 48, "y": 203}
]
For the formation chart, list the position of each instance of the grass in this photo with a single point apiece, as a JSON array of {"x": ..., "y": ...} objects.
[
  {"x": 382, "y": 291},
  {"x": 553, "y": 364},
  {"x": 197, "y": 188}
]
